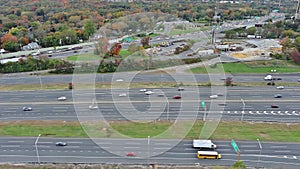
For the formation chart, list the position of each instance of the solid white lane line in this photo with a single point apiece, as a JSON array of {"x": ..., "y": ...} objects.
[
  {"x": 10, "y": 146},
  {"x": 16, "y": 141},
  {"x": 132, "y": 147}
]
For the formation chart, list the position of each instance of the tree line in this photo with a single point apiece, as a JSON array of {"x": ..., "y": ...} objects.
[{"x": 55, "y": 23}]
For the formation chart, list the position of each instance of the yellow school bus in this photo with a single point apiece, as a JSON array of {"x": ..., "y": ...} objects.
[{"x": 208, "y": 154}]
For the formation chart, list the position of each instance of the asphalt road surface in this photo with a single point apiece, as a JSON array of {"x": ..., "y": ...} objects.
[
  {"x": 147, "y": 151},
  {"x": 233, "y": 103},
  {"x": 138, "y": 77}
]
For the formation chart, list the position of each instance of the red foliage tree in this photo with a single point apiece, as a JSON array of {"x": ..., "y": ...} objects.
[
  {"x": 146, "y": 42},
  {"x": 8, "y": 38},
  {"x": 295, "y": 56}
]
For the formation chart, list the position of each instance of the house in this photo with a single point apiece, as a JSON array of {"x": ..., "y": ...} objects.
[{"x": 31, "y": 46}]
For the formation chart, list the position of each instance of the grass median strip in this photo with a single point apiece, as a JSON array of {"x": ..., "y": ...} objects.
[{"x": 226, "y": 130}]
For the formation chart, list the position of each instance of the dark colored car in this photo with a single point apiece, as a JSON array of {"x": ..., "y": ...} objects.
[
  {"x": 176, "y": 97},
  {"x": 277, "y": 96},
  {"x": 61, "y": 143},
  {"x": 274, "y": 106},
  {"x": 27, "y": 108}
]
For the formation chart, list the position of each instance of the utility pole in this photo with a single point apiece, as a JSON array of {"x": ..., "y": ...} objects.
[
  {"x": 243, "y": 111},
  {"x": 260, "y": 148},
  {"x": 36, "y": 148},
  {"x": 297, "y": 10}
]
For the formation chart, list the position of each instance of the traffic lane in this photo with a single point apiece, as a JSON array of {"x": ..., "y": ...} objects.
[
  {"x": 134, "y": 94},
  {"x": 35, "y": 96},
  {"x": 144, "y": 111},
  {"x": 127, "y": 77},
  {"x": 167, "y": 158}
]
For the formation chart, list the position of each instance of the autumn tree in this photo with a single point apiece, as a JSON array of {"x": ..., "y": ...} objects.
[
  {"x": 115, "y": 49},
  {"x": 9, "y": 42},
  {"x": 287, "y": 44},
  {"x": 295, "y": 56},
  {"x": 297, "y": 43},
  {"x": 146, "y": 42}
]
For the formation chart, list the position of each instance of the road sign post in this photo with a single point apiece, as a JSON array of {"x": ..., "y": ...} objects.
[{"x": 235, "y": 148}]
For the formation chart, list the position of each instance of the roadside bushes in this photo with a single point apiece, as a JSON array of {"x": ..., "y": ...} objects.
[{"x": 32, "y": 64}]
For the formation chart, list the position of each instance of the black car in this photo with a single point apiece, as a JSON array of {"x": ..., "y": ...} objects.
[
  {"x": 277, "y": 96},
  {"x": 274, "y": 106},
  {"x": 61, "y": 143}
]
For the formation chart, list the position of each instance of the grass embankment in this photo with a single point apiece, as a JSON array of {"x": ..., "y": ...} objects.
[
  {"x": 92, "y": 57},
  {"x": 224, "y": 131},
  {"x": 256, "y": 67}
]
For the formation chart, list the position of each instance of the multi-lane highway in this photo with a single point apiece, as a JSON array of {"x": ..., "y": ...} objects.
[
  {"x": 234, "y": 103},
  {"x": 147, "y": 151},
  {"x": 145, "y": 77}
]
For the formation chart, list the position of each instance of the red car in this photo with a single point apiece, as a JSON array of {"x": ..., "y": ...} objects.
[
  {"x": 130, "y": 154},
  {"x": 176, "y": 97}
]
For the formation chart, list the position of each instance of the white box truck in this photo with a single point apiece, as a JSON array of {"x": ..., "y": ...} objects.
[{"x": 206, "y": 144}]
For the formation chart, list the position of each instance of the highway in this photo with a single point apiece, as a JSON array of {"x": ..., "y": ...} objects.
[
  {"x": 148, "y": 151},
  {"x": 235, "y": 103},
  {"x": 141, "y": 77}
]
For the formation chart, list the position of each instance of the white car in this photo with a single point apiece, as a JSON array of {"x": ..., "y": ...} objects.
[
  {"x": 27, "y": 108},
  {"x": 180, "y": 89},
  {"x": 280, "y": 87},
  {"x": 119, "y": 80},
  {"x": 143, "y": 90},
  {"x": 268, "y": 77},
  {"x": 213, "y": 96},
  {"x": 93, "y": 107},
  {"x": 62, "y": 98},
  {"x": 122, "y": 95},
  {"x": 149, "y": 92}
]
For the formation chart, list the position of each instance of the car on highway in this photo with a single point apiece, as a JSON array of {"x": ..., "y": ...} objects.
[
  {"x": 213, "y": 96},
  {"x": 160, "y": 94},
  {"x": 60, "y": 143},
  {"x": 130, "y": 154},
  {"x": 278, "y": 96},
  {"x": 122, "y": 95},
  {"x": 280, "y": 87},
  {"x": 93, "y": 107},
  {"x": 180, "y": 89},
  {"x": 268, "y": 77},
  {"x": 119, "y": 80},
  {"x": 149, "y": 92},
  {"x": 298, "y": 80},
  {"x": 274, "y": 106},
  {"x": 143, "y": 90},
  {"x": 62, "y": 98},
  {"x": 177, "y": 97},
  {"x": 26, "y": 108}
]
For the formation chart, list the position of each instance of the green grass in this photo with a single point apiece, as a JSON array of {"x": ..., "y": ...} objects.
[
  {"x": 190, "y": 30},
  {"x": 124, "y": 53},
  {"x": 250, "y": 67},
  {"x": 225, "y": 131},
  {"x": 83, "y": 57},
  {"x": 91, "y": 57},
  {"x": 34, "y": 128}
]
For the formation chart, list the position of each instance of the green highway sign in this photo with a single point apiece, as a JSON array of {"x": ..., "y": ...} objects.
[
  {"x": 203, "y": 104},
  {"x": 234, "y": 146}
]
